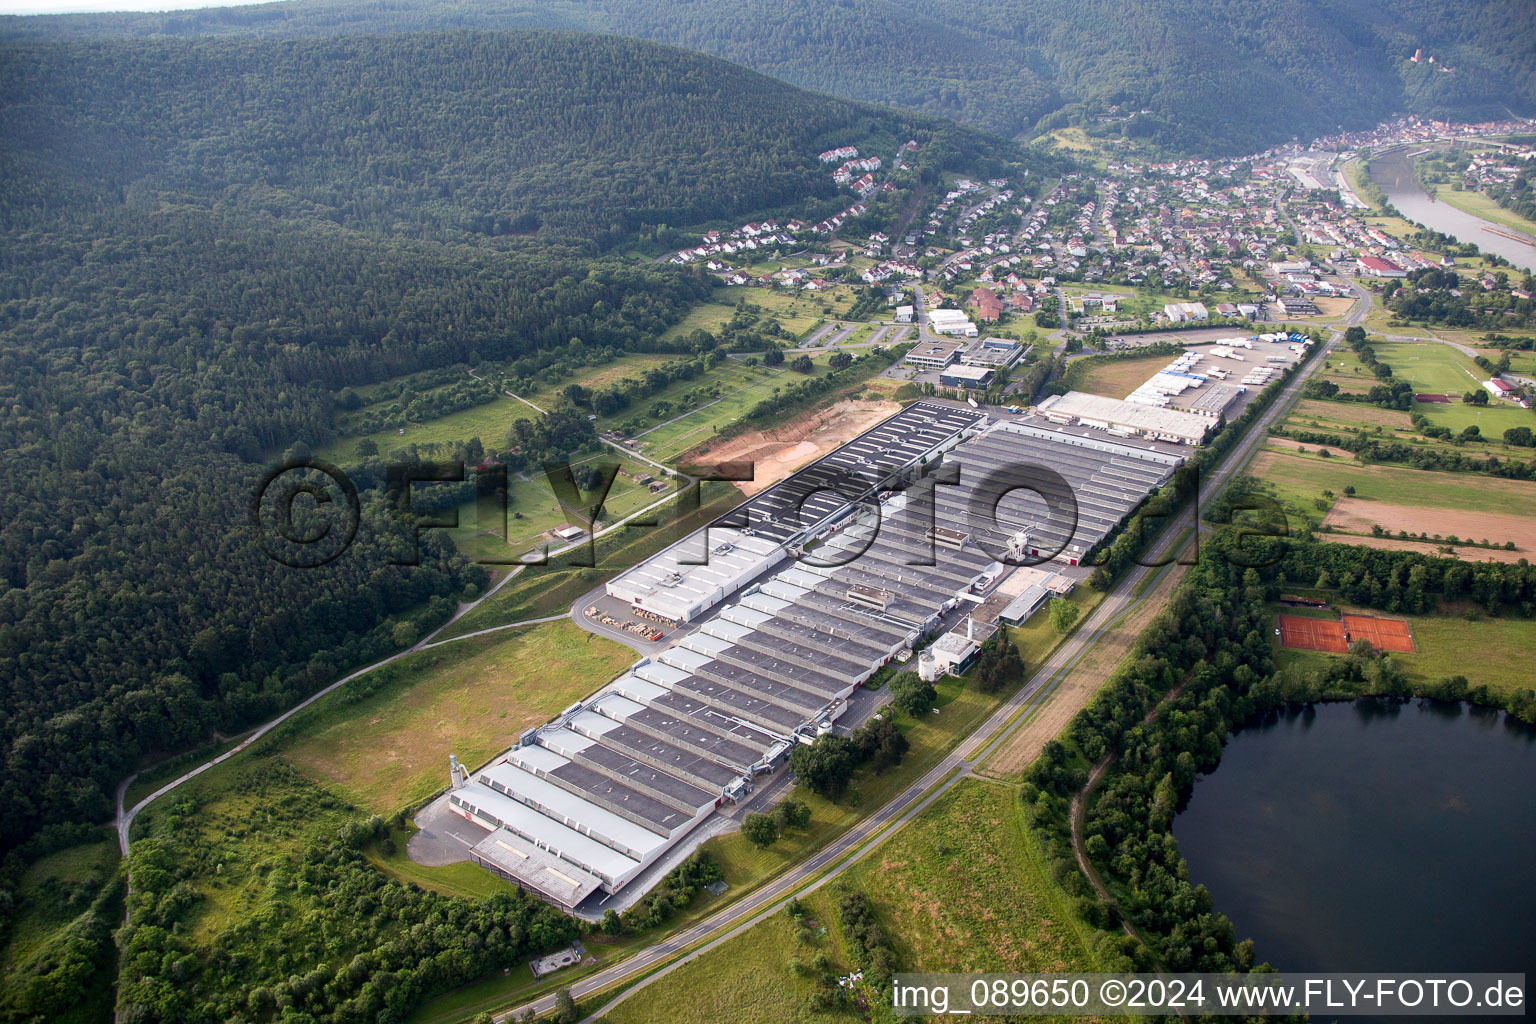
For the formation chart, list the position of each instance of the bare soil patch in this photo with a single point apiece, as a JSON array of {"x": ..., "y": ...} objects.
[
  {"x": 1286, "y": 442},
  {"x": 1356, "y": 516},
  {"x": 1466, "y": 554},
  {"x": 777, "y": 453}
]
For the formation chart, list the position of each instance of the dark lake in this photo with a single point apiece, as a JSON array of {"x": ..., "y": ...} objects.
[{"x": 1358, "y": 837}]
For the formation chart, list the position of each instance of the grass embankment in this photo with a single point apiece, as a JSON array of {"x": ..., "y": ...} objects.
[
  {"x": 1484, "y": 208},
  {"x": 962, "y": 887},
  {"x": 383, "y": 742}
]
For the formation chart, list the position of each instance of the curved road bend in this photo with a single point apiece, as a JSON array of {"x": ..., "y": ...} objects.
[
  {"x": 862, "y": 839},
  {"x": 125, "y": 818}
]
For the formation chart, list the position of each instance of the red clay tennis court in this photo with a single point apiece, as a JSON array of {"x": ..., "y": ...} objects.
[
  {"x": 1383, "y": 634},
  {"x": 1313, "y": 634}
]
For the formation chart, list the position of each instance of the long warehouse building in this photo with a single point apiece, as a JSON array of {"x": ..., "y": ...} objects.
[{"x": 585, "y": 804}]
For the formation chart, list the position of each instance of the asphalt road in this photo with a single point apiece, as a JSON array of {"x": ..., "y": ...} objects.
[{"x": 863, "y": 838}]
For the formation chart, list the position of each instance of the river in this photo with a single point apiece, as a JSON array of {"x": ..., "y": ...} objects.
[
  {"x": 1392, "y": 171},
  {"x": 1364, "y": 837}
]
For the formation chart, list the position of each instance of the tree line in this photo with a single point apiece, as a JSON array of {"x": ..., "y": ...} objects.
[{"x": 1201, "y": 669}]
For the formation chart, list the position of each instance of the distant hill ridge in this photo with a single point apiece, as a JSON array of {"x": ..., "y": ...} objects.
[
  {"x": 1215, "y": 76},
  {"x": 432, "y": 133}
]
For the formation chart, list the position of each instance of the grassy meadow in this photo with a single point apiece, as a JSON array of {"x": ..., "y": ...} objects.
[
  {"x": 389, "y": 749},
  {"x": 962, "y": 887}
]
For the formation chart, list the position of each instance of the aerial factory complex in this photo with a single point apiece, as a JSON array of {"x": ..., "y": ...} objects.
[{"x": 777, "y": 612}]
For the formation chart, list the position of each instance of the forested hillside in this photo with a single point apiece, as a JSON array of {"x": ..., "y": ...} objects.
[
  {"x": 202, "y": 241},
  {"x": 1217, "y": 76}
]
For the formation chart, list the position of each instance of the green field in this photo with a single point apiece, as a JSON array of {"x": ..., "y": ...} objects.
[
  {"x": 960, "y": 888},
  {"x": 1505, "y": 649},
  {"x": 1298, "y": 479},
  {"x": 1115, "y": 378},
  {"x": 964, "y": 888},
  {"x": 488, "y": 422},
  {"x": 597, "y": 377},
  {"x": 744, "y": 981},
  {"x": 532, "y": 511},
  {"x": 667, "y": 441},
  {"x": 796, "y": 312},
  {"x": 390, "y": 749},
  {"x": 1433, "y": 368},
  {"x": 465, "y": 878}
]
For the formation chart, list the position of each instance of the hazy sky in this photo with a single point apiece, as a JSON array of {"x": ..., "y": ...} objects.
[{"x": 81, "y": 6}]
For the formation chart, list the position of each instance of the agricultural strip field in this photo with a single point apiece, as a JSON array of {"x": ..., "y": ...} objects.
[
  {"x": 1301, "y": 478},
  {"x": 1083, "y": 681},
  {"x": 1467, "y": 553},
  {"x": 1345, "y": 416},
  {"x": 389, "y": 749},
  {"x": 1389, "y": 425},
  {"x": 1353, "y": 515}
]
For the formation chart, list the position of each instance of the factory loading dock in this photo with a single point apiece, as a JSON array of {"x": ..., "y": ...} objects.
[{"x": 822, "y": 579}]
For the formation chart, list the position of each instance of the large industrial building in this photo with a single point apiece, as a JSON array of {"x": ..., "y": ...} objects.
[
  {"x": 1126, "y": 418},
  {"x": 803, "y": 592}
]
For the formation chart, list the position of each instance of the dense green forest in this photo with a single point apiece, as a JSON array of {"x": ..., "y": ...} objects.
[
  {"x": 205, "y": 242},
  {"x": 1221, "y": 76},
  {"x": 1206, "y": 665},
  {"x": 449, "y": 135}
]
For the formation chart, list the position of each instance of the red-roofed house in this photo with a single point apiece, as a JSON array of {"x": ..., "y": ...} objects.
[
  {"x": 1375, "y": 266},
  {"x": 988, "y": 305}
]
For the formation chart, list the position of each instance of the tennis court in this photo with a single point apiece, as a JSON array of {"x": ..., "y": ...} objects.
[
  {"x": 1383, "y": 634},
  {"x": 1313, "y": 634}
]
